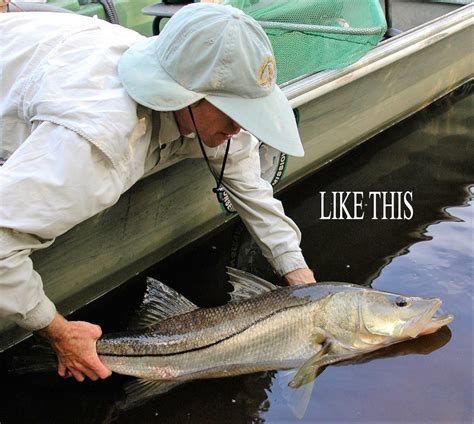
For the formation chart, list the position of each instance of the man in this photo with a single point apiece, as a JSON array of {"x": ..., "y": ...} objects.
[{"x": 87, "y": 109}]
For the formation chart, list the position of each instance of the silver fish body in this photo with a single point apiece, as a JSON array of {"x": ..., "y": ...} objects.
[
  {"x": 269, "y": 331},
  {"x": 303, "y": 327}
]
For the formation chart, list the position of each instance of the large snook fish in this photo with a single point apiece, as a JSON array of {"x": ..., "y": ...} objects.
[{"x": 262, "y": 328}]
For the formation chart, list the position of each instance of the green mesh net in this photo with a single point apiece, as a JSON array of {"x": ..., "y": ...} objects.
[{"x": 314, "y": 35}]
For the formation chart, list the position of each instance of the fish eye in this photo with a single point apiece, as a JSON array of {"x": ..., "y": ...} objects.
[{"x": 401, "y": 302}]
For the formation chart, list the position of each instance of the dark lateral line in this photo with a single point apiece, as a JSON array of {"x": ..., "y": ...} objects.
[{"x": 139, "y": 355}]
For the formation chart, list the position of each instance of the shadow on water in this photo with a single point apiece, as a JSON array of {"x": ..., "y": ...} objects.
[{"x": 426, "y": 380}]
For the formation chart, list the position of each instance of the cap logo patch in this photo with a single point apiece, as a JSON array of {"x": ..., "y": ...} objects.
[{"x": 266, "y": 72}]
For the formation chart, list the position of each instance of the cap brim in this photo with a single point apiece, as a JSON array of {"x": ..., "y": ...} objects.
[
  {"x": 148, "y": 83},
  {"x": 268, "y": 118}
]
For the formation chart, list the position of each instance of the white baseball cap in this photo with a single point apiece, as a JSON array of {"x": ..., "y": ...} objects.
[{"x": 218, "y": 53}]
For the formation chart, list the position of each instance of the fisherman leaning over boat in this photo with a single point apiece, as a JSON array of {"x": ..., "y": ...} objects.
[{"x": 79, "y": 126}]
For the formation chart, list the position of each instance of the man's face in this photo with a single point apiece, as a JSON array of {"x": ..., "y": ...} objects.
[{"x": 214, "y": 126}]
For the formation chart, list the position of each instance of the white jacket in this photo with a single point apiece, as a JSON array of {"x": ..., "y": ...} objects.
[{"x": 72, "y": 141}]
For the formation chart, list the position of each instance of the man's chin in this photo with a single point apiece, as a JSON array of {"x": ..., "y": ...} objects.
[{"x": 214, "y": 142}]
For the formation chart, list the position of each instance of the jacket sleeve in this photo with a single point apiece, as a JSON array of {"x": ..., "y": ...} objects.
[
  {"x": 277, "y": 235},
  {"x": 53, "y": 181}
]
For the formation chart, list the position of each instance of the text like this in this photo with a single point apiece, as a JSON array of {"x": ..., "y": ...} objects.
[{"x": 354, "y": 204}]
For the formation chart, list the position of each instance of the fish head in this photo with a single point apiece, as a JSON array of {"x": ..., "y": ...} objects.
[{"x": 399, "y": 317}]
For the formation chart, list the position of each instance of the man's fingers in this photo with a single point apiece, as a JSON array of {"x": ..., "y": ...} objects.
[
  {"x": 62, "y": 369},
  {"x": 96, "y": 365},
  {"x": 105, "y": 373},
  {"x": 77, "y": 375},
  {"x": 75, "y": 345},
  {"x": 97, "y": 331},
  {"x": 99, "y": 368},
  {"x": 87, "y": 371},
  {"x": 92, "y": 368}
]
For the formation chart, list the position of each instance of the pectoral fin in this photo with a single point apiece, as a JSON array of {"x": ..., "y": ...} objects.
[
  {"x": 296, "y": 398},
  {"x": 309, "y": 370},
  {"x": 301, "y": 380}
]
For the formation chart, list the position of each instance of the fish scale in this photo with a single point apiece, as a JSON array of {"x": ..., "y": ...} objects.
[
  {"x": 204, "y": 326},
  {"x": 281, "y": 340}
]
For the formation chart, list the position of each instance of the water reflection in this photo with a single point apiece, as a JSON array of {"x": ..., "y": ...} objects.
[
  {"x": 429, "y": 155},
  {"x": 425, "y": 380},
  {"x": 437, "y": 170}
]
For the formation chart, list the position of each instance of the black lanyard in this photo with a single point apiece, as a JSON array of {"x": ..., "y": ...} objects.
[{"x": 219, "y": 187}]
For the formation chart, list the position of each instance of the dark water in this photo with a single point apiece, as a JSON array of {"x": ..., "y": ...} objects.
[{"x": 428, "y": 380}]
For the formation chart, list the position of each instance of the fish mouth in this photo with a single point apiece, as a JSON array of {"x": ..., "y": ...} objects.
[
  {"x": 431, "y": 321},
  {"x": 438, "y": 320}
]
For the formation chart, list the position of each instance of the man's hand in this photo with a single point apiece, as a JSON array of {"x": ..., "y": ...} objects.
[
  {"x": 74, "y": 343},
  {"x": 300, "y": 276}
]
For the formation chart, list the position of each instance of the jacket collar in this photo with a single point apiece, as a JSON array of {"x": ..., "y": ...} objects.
[{"x": 169, "y": 130}]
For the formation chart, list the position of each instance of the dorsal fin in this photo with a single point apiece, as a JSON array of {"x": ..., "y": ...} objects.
[
  {"x": 159, "y": 302},
  {"x": 247, "y": 285}
]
